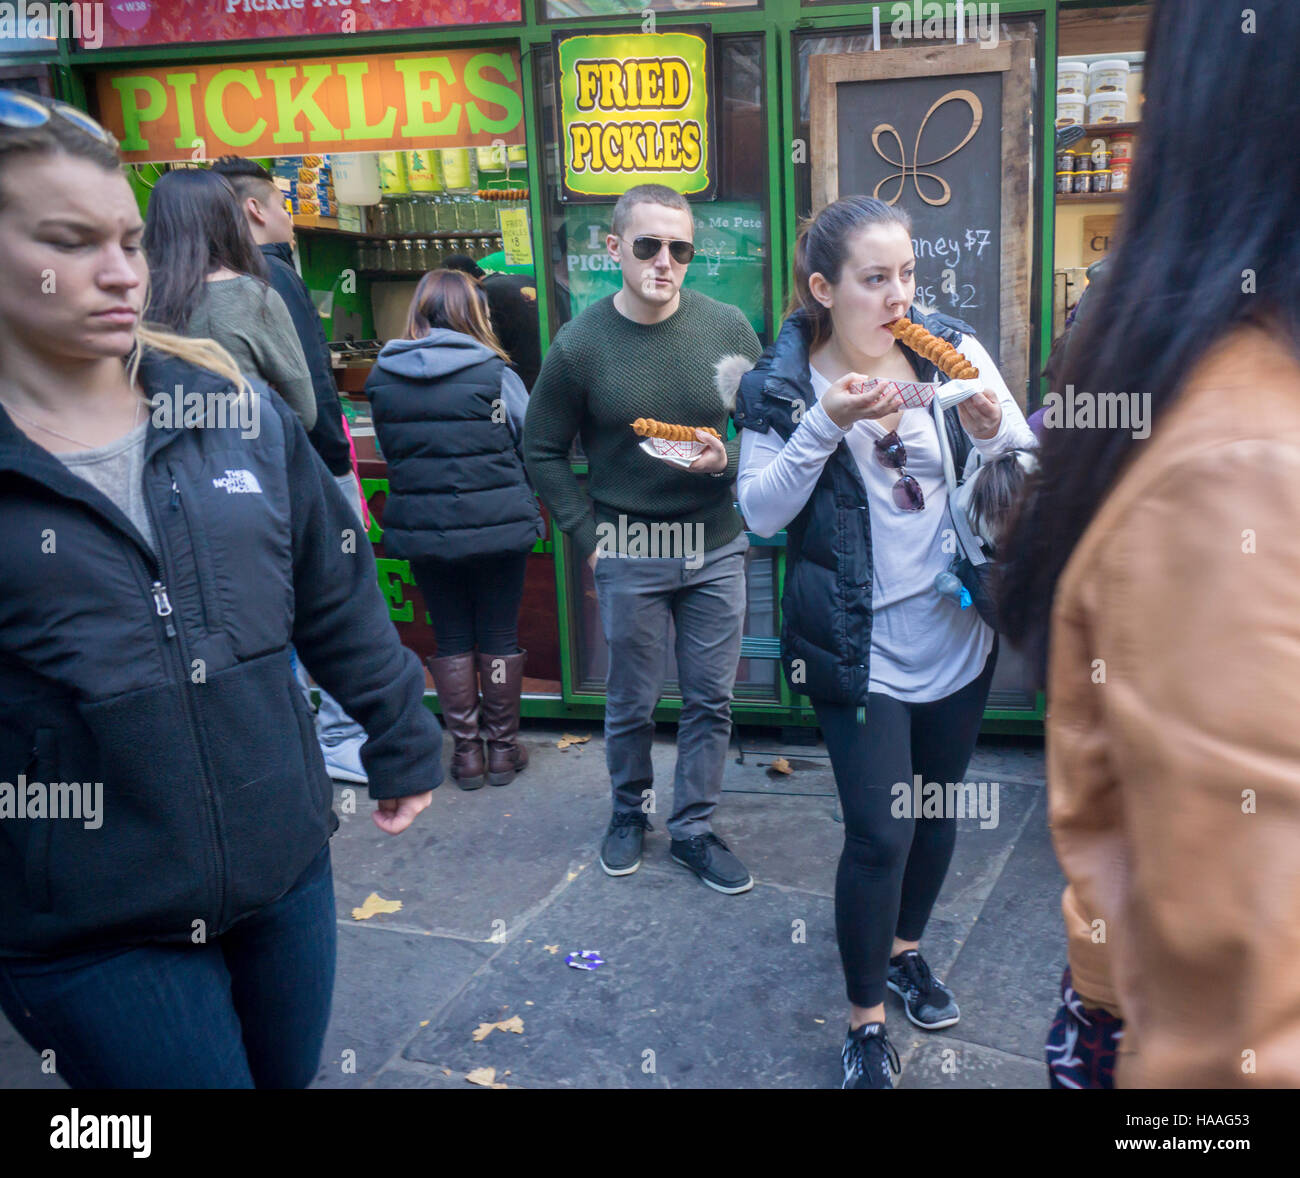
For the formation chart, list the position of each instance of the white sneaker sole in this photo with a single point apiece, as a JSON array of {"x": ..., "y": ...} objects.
[
  {"x": 716, "y": 887},
  {"x": 917, "y": 1022},
  {"x": 620, "y": 870}
]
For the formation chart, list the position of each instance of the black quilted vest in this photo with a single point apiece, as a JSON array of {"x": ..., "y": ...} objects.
[{"x": 826, "y": 603}]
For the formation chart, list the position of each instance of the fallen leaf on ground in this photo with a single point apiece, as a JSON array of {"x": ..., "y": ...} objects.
[
  {"x": 568, "y": 738},
  {"x": 485, "y": 1077},
  {"x": 446, "y": 1071},
  {"x": 375, "y": 904},
  {"x": 425, "y": 1023},
  {"x": 780, "y": 765},
  {"x": 819, "y": 1020},
  {"x": 529, "y": 1002},
  {"x": 551, "y": 949},
  {"x": 515, "y": 1024}
]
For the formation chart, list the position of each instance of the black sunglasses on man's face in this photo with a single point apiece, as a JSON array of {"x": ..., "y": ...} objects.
[{"x": 645, "y": 247}]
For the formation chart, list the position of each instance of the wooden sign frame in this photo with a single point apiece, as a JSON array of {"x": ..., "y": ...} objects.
[{"x": 1010, "y": 57}]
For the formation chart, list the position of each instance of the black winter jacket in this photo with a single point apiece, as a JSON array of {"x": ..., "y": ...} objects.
[
  {"x": 826, "y": 604},
  {"x": 167, "y": 678},
  {"x": 457, "y": 487},
  {"x": 327, "y": 434}
]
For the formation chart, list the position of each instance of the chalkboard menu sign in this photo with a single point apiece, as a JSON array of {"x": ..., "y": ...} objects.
[{"x": 942, "y": 132}]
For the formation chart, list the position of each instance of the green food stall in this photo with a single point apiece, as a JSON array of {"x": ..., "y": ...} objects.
[{"x": 506, "y": 128}]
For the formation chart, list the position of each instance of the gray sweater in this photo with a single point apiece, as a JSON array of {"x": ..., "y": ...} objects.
[{"x": 249, "y": 320}]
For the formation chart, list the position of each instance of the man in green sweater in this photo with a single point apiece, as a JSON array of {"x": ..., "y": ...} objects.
[{"x": 663, "y": 541}]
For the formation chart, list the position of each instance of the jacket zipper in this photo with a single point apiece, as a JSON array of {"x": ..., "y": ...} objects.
[
  {"x": 178, "y": 505},
  {"x": 163, "y": 609}
]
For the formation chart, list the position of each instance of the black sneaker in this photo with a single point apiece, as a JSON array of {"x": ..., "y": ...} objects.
[
  {"x": 620, "y": 853},
  {"x": 708, "y": 856},
  {"x": 868, "y": 1057},
  {"x": 928, "y": 1002}
]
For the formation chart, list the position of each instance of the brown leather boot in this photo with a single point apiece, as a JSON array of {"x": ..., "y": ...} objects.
[
  {"x": 501, "y": 677},
  {"x": 457, "y": 686}
]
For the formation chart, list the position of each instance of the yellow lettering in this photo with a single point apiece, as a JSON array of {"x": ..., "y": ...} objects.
[
  {"x": 580, "y": 138},
  {"x": 588, "y": 84},
  {"x": 677, "y": 83}
]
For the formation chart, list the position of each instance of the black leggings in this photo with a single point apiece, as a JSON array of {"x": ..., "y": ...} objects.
[
  {"x": 891, "y": 869},
  {"x": 474, "y": 602}
]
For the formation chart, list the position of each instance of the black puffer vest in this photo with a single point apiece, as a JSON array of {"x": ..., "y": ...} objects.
[
  {"x": 826, "y": 604},
  {"x": 456, "y": 481}
]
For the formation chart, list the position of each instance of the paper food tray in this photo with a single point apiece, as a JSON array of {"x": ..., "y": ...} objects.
[
  {"x": 919, "y": 396},
  {"x": 678, "y": 453}
]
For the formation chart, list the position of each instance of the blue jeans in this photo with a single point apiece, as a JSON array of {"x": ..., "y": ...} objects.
[{"x": 247, "y": 1010}]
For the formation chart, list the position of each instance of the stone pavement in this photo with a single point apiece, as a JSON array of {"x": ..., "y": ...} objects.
[{"x": 699, "y": 989}]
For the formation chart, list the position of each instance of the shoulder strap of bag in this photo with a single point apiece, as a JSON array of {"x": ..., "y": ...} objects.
[{"x": 970, "y": 544}]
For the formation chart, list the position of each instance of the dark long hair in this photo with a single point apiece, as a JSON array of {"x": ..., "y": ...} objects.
[
  {"x": 1209, "y": 240},
  {"x": 194, "y": 226},
  {"x": 451, "y": 299},
  {"x": 822, "y": 247}
]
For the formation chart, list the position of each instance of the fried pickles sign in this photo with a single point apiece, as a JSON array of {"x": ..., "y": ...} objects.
[
  {"x": 387, "y": 101},
  {"x": 636, "y": 108}
]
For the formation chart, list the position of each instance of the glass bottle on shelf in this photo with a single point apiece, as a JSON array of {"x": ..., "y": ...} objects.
[
  {"x": 423, "y": 257},
  {"x": 410, "y": 210},
  {"x": 487, "y": 215},
  {"x": 406, "y": 256},
  {"x": 445, "y": 214},
  {"x": 458, "y": 170},
  {"x": 427, "y": 220},
  {"x": 466, "y": 212},
  {"x": 390, "y": 255}
]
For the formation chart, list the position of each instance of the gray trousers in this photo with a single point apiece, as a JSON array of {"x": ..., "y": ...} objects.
[{"x": 637, "y": 596}]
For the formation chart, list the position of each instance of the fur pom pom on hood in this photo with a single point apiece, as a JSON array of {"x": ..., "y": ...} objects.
[{"x": 727, "y": 373}]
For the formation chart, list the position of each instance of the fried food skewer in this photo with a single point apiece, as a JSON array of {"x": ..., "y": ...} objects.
[
  {"x": 939, "y": 352},
  {"x": 647, "y": 427}
]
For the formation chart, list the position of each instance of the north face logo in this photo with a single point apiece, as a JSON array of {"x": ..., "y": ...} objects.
[{"x": 239, "y": 482}]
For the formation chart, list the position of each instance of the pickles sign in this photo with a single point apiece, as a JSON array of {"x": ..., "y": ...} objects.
[
  {"x": 380, "y": 102},
  {"x": 636, "y": 108}
]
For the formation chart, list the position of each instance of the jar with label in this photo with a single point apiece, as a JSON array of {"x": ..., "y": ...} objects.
[
  {"x": 392, "y": 172},
  {"x": 1083, "y": 180},
  {"x": 1101, "y": 180},
  {"x": 1121, "y": 146},
  {"x": 422, "y": 171},
  {"x": 1064, "y": 182},
  {"x": 1120, "y": 175},
  {"x": 1064, "y": 162},
  {"x": 458, "y": 171}
]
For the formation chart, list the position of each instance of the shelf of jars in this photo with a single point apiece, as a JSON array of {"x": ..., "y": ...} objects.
[{"x": 383, "y": 257}]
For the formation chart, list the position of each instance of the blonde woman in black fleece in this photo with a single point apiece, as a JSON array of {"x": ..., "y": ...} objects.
[{"x": 168, "y": 916}]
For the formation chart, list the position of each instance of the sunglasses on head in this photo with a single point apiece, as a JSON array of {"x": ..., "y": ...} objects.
[
  {"x": 21, "y": 111},
  {"x": 645, "y": 247}
]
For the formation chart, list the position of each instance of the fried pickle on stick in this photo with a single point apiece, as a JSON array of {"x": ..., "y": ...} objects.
[
  {"x": 939, "y": 352},
  {"x": 647, "y": 427}
]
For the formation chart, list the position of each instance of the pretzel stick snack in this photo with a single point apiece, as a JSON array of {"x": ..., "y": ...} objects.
[
  {"x": 647, "y": 427},
  {"x": 939, "y": 352}
]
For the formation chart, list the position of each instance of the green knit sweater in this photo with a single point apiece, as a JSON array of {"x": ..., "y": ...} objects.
[{"x": 602, "y": 372}]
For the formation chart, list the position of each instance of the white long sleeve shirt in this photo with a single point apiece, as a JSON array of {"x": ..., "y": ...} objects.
[{"x": 924, "y": 646}]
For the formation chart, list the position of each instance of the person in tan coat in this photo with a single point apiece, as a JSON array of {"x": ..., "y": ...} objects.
[{"x": 1155, "y": 572}]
